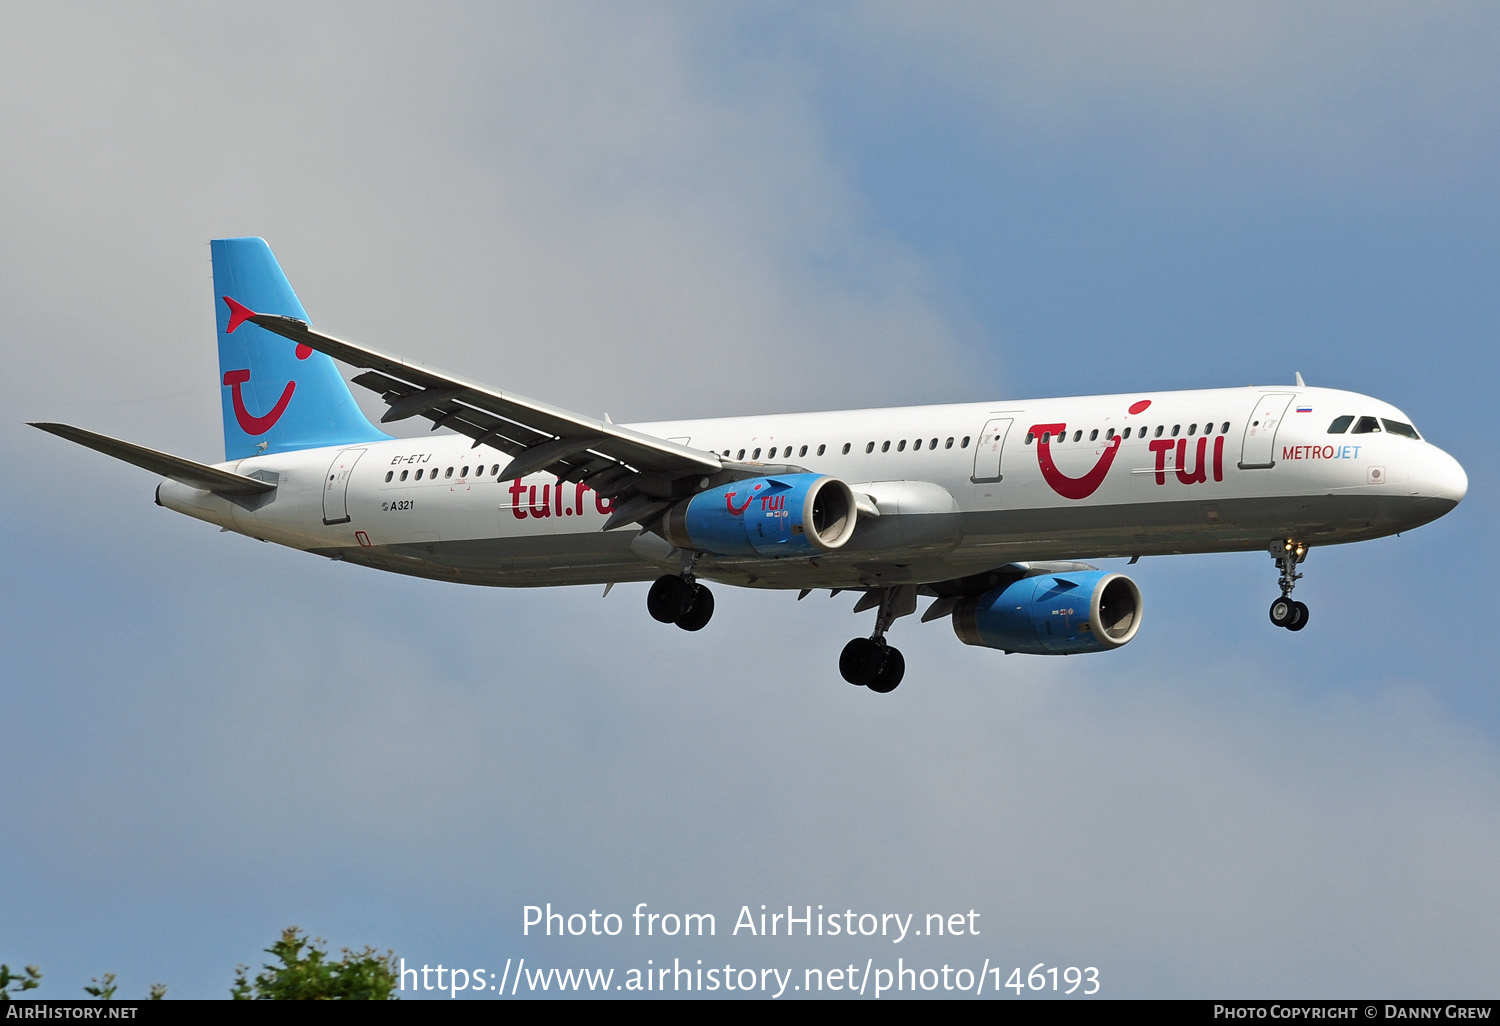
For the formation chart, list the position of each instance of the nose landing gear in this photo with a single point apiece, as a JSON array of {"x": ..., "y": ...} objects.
[{"x": 1285, "y": 611}]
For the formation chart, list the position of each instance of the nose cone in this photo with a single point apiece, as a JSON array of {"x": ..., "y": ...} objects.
[{"x": 1440, "y": 477}]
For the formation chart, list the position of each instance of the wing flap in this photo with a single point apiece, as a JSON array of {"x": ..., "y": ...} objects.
[{"x": 195, "y": 475}]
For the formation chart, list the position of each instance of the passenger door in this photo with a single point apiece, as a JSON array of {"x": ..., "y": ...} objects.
[
  {"x": 988, "y": 450},
  {"x": 1258, "y": 450}
]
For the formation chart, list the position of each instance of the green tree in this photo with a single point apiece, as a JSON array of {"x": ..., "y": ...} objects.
[
  {"x": 30, "y": 979},
  {"x": 104, "y": 989},
  {"x": 306, "y": 974}
]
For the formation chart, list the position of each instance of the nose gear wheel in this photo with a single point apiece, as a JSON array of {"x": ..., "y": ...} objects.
[{"x": 1286, "y": 611}]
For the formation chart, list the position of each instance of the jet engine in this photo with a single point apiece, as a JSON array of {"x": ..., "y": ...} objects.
[
  {"x": 1052, "y": 614},
  {"x": 776, "y": 516}
]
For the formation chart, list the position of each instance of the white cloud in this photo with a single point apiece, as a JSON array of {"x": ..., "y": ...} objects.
[
  {"x": 1342, "y": 99},
  {"x": 550, "y": 199}
]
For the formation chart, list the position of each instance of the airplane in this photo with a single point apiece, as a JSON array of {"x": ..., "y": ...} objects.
[{"x": 989, "y": 509}]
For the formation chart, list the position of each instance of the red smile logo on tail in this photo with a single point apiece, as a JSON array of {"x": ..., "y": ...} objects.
[{"x": 234, "y": 380}]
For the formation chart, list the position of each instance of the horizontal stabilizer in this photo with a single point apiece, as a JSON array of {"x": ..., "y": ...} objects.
[{"x": 195, "y": 475}]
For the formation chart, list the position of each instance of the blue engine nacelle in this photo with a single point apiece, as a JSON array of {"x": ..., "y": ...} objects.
[
  {"x": 1053, "y": 614},
  {"x": 777, "y": 516}
]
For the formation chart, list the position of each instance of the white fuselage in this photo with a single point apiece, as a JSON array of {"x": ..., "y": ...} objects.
[{"x": 959, "y": 489}]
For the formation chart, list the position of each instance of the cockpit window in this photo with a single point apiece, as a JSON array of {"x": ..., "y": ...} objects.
[
  {"x": 1395, "y": 427},
  {"x": 1340, "y": 425},
  {"x": 1366, "y": 425}
]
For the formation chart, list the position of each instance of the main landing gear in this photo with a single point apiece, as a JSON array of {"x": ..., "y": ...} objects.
[
  {"x": 1286, "y": 612},
  {"x": 680, "y": 599},
  {"x": 870, "y": 662}
]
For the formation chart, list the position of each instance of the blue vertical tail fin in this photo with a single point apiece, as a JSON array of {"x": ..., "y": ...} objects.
[{"x": 277, "y": 396}]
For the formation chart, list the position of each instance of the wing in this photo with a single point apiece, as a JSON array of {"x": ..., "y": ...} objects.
[{"x": 642, "y": 473}]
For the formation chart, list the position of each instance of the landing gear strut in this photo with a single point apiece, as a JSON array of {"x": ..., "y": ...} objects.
[
  {"x": 870, "y": 662},
  {"x": 680, "y": 599},
  {"x": 1285, "y": 611}
]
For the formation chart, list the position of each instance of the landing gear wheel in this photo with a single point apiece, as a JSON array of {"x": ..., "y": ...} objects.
[
  {"x": 669, "y": 599},
  {"x": 1285, "y": 611},
  {"x": 891, "y": 673},
  {"x": 700, "y": 612},
  {"x": 861, "y": 661},
  {"x": 1300, "y": 620}
]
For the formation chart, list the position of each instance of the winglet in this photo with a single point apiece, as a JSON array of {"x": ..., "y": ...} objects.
[{"x": 238, "y": 314}]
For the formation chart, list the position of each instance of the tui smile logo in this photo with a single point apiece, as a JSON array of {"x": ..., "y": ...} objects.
[
  {"x": 1062, "y": 484},
  {"x": 1088, "y": 484},
  {"x": 739, "y": 510},
  {"x": 234, "y": 380}
]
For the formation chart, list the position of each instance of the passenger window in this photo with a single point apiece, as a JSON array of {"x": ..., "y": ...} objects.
[
  {"x": 1094, "y": 435},
  {"x": 1159, "y": 429},
  {"x": 916, "y": 445},
  {"x": 389, "y": 474},
  {"x": 885, "y": 447},
  {"x": 495, "y": 470},
  {"x": 869, "y": 447},
  {"x": 419, "y": 475},
  {"x": 1340, "y": 424},
  {"x": 1077, "y": 436},
  {"x": 1176, "y": 428},
  {"x": 464, "y": 472},
  {"x": 1366, "y": 425},
  {"x": 1127, "y": 433},
  {"x": 949, "y": 443},
  {"x": 965, "y": 443},
  {"x": 756, "y": 454},
  {"x": 1225, "y": 429},
  {"x": 448, "y": 472},
  {"x": 1110, "y": 434},
  {"x": 1396, "y": 427},
  {"x": 403, "y": 475},
  {"x": 1192, "y": 429},
  {"x": 932, "y": 444},
  {"x": 741, "y": 455},
  {"x": 1030, "y": 438},
  {"x": 901, "y": 445},
  {"x": 803, "y": 451}
]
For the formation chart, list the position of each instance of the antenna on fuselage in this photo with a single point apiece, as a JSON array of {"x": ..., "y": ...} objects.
[{"x": 1300, "y": 382}]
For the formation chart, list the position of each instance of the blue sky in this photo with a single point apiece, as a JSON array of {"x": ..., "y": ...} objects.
[{"x": 662, "y": 211}]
